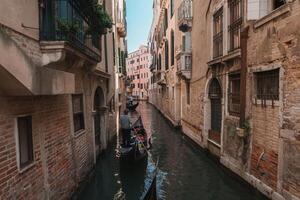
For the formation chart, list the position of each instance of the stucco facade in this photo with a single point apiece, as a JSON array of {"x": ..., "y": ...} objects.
[{"x": 138, "y": 72}]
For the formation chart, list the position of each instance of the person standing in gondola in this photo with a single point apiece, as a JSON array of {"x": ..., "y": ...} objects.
[{"x": 125, "y": 128}]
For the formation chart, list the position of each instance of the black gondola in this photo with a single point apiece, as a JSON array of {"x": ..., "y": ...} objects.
[
  {"x": 151, "y": 193},
  {"x": 132, "y": 107},
  {"x": 138, "y": 148}
]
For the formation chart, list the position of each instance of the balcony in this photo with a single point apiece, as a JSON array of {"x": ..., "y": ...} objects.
[
  {"x": 65, "y": 37},
  {"x": 184, "y": 64},
  {"x": 185, "y": 15},
  {"x": 122, "y": 28}
]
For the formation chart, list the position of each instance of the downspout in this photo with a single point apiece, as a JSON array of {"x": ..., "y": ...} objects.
[
  {"x": 244, "y": 40},
  {"x": 243, "y": 87}
]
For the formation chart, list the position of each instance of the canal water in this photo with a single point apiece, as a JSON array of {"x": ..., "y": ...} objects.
[{"x": 186, "y": 172}]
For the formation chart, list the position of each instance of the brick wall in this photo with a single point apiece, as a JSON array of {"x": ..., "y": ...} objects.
[{"x": 52, "y": 172}]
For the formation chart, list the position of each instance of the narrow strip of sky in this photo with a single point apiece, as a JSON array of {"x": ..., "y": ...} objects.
[{"x": 139, "y": 18}]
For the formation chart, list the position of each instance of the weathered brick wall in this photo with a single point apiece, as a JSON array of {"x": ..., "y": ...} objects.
[
  {"x": 277, "y": 43},
  {"x": 291, "y": 165},
  {"x": 53, "y": 170}
]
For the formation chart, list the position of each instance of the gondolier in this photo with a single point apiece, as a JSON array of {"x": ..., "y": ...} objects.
[{"x": 125, "y": 128}]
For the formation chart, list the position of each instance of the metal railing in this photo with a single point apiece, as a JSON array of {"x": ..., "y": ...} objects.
[
  {"x": 185, "y": 10},
  {"x": 59, "y": 17}
]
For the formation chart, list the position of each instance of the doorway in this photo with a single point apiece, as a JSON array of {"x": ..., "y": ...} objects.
[{"x": 215, "y": 97}]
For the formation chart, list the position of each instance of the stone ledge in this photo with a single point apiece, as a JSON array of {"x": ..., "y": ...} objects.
[{"x": 273, "y": 15}]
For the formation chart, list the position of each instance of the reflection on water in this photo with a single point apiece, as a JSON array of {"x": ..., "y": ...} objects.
[{"x": 185, "y": 171}]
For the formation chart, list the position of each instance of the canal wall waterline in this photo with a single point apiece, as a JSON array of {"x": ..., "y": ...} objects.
[{"x": 230, "y": 166}]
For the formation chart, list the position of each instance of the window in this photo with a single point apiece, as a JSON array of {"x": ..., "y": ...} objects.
[
  {"x": 267, "y": 85},
  {"x": 25, "y": 144},
  {"x": 172, "y": 8},
  {"x": 173, "y": 92},
  {"x": 172, "y": 48},
  {"x": 166, "y": 55},
  {"x": 235, "y": 22},
  {"x": 114, "y": 47},
  {"x": 278, "y": 3},
  {"x": 234, "y": 94},
  {"x": 188, "y": 94},
  {"x": 78, "y": 116},
  {"x": 166, "y": 21},
  {"x": 218, "y": 33},
  {"x": 138, "y": 76}
]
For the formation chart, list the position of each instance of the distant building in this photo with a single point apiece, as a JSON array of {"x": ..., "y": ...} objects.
[{"x": 138, "y": 72}]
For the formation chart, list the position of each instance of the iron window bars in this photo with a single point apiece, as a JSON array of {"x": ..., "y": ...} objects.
[{"x": 218, "y": 33}]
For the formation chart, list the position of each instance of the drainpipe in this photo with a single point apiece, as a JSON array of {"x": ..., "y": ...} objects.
[{"x": 244, "y": 38}]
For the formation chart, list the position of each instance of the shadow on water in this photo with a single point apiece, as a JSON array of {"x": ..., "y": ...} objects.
[{"x": 186, "y": 172}]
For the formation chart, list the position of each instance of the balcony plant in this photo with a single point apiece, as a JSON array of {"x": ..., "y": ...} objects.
[
  {"x": 99, "y": 18},
  {"x": 67, "y": 28}
]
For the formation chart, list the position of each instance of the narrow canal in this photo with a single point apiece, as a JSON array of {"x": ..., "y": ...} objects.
[{"x": 186, "y": 172}]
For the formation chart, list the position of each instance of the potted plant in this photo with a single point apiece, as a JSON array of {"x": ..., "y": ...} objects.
[{"x": 244, "y": 130}]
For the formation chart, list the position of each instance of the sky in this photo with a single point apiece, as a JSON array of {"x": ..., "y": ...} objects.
[{"x": 139, "y": 18}]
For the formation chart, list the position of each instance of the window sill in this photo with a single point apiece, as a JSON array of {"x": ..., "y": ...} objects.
[
  {"x": 273, "y": 15},
  {"x": 229, "y": 56},
  {"x": 24, "y": 169},
  {"x": 79, "y": 133},
  {"x": 259, "y": 102}
]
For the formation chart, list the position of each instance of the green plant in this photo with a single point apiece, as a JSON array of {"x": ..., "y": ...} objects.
[
  {"x": 99, "y": 18},
  {"x": 68, "y": 27},
  {"x": 246, "y": 126}
]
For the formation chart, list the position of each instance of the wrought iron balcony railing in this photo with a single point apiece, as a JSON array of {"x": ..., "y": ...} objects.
[
  {"x": 62, "y": 20},
  {"x": 185, "y": 15}
]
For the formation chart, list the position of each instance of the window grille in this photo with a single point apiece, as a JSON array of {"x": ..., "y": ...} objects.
[
  {"x": 218, "y": 33},
  {"x": 235, "y": 20},
  {"x": 267, "y": 85}
]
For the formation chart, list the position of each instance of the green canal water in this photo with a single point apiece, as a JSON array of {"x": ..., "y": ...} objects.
[{"x": 186, "y": 172}]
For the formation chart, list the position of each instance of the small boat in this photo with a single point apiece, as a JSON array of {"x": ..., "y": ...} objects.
[
  {"x": 151, "y": 193},
  {"x": 140, "y": 131},
  {"x": 138, "y": 148},
  {"x": 132, "y": 107}
]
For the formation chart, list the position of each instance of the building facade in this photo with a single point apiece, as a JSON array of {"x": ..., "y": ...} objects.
[
  {"x": 138, "y": 72},
  {"x": 236, "y": 67},
  {"x": 57, "y": 91}
]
